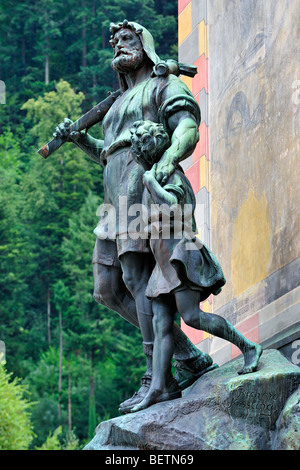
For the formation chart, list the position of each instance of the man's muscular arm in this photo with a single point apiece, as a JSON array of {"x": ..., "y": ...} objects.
[
  {"x": 91, "y": 146},
  {"x": 183, "y": 142}
]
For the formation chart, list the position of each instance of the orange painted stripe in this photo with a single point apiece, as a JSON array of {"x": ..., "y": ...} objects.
[
  {"x": 201, "y": 79},
  {"x": 202, "y": 147},
  {"x": 248, "y": 324}
]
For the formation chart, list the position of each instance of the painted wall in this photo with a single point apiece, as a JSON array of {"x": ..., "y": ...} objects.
[
  {"x": 193, "y": 49},
  {"x": 248, "y": 88}
]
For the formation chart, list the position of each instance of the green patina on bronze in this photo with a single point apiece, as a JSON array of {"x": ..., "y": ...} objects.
[{"x": 148, "y": 279}]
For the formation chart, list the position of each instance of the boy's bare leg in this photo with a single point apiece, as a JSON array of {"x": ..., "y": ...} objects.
[
  {"x": 110, "y": 290},
  {"x": 187, "y": 302}
]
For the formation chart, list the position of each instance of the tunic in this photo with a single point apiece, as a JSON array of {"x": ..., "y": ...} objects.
[
  {"x": 182, "y": 260},
  {"x": 154, "y": 99}
]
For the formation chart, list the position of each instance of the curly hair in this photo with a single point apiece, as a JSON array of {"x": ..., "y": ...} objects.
[
  {"x": 149, "y": 140},
  {"x": 125, "y": 24}
]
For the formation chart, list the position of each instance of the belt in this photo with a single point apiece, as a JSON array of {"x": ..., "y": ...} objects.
[{"x": 124, "y": 148}]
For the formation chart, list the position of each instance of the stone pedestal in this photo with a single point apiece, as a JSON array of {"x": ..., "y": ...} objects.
[{"x": 221, "y": 411}]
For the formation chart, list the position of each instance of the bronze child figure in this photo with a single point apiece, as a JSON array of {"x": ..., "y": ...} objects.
[{"x": 186, "y": 272}]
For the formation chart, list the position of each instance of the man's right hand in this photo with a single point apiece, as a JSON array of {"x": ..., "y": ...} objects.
[{"x": 63, "y": 130}]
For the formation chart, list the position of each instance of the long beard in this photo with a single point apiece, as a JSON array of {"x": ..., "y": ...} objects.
[{"x": 132, "y": 60}]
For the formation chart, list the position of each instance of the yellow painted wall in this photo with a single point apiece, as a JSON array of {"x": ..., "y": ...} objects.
[
  {"x": 184, "y": 23},
  {"x": 254, "y": 141}
]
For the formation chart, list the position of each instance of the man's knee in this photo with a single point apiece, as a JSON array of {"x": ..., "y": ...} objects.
[
  {"x": 99, "y": 299},
  {"x": 103, "y": 293},
  {"x": 135, "y": 272},
  {"x": 106, "y": 285},
  {"x": 130, "y": 280}
]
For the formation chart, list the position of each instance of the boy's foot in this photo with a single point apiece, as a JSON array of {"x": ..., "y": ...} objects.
[{"x": 251, "y": 358}]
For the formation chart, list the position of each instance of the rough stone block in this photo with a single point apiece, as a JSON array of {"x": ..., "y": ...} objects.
[
  {"x": 287, "y": 436},
  {"x": 221, "y": 411}
]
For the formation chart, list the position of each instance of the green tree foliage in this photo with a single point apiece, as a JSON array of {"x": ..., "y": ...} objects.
[
  {"x": 13, "y": 286},
  {"x": 77, "y": 359},
  {"x": 53, "y": 443},
  {"x": 55, "y": 189},
  {"x": 16, "y": 431}
]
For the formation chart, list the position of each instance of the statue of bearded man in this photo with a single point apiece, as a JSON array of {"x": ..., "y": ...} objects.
[{"x": 123, "y": 261}]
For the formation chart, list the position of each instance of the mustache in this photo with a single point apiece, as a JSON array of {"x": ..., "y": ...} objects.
[{"x": 125, "y": 51}]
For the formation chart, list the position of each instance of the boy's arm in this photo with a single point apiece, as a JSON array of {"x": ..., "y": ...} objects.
[{"x": 158, "y": 193}]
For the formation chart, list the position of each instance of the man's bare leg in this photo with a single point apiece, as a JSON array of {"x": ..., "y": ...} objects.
[
  {"x": 163, "y": 386},
  {"x": 110, "y": 290},
  {"x": 136, "y": 269}
]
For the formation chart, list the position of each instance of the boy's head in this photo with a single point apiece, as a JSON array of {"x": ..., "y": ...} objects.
[{"x": 149, "y": 140}]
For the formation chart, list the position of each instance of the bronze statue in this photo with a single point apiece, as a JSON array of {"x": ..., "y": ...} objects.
[
  {"x": 186, "y": 271},
  {"x": 125, "y": 265}
]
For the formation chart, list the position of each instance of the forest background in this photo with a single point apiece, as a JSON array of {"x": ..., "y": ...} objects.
[{"x": 69, "y": 361}]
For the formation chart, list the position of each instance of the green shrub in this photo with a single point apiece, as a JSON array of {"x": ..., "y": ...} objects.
[{"x": 15, "y": 427}]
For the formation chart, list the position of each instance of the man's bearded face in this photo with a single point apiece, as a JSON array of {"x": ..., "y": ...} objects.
[{"x": 128, "y": 51}]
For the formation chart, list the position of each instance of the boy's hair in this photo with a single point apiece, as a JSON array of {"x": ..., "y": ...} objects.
[{"x": 149, "y": 140}]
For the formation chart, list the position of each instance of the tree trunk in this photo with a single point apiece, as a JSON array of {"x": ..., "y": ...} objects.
[
  {"x": 47, "y": 72},
  {"x": 95, "y": 78},
  {"x": 61, "y": 173},
  {"x": 49, "y": 315},
  {"x": 23, "y": 50},
  {"x": 103, "y": 38},
  {"x": 69, "y": 403},
  {"x": 83, "y": 36},
  {"x": 60, "y": 362},
  {"x": 92, "y": 405}
]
